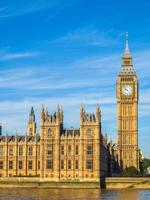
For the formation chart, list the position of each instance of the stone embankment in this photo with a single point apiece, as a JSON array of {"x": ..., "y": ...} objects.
[
  {"x": 108, "y": 183},
  {"x": 126, "y": 183},
  {"x": 34, "y": 182}
]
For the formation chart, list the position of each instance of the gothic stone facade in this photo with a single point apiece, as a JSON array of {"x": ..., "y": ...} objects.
[
  {"x": 77, "y": 154},
  {"x": 58, "y": 154}
]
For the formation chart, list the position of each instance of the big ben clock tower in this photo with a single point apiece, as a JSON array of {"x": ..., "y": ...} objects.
[{"x": 127, "y": 107}]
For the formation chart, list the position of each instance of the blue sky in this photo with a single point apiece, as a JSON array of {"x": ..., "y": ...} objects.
[{"x": 68, "y": 52}]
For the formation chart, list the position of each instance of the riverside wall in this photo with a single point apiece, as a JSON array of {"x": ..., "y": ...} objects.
[
  {"x": 108, "y": 183},
  {"x": 35, "y": 182},
  {"x": 127, "y": 183}
]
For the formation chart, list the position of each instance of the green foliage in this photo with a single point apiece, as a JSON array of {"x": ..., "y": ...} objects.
[
  {"x": 144, "y": 164},
  {"x": 130, "y": 172}
]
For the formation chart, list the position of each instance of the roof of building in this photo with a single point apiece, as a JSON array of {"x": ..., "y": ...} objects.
[
  {"x": 12, "y": 138},
  {"x": 127, "y": 68},
  {"x": 71, "y": 132}
]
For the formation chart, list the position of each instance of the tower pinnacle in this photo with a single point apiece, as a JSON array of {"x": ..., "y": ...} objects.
[
  {"x": 32, "y": 116},
  {"x": 127, "y": 51},
  {"x": 31, "y": 128},
  {"x": 127, "y": 43}
]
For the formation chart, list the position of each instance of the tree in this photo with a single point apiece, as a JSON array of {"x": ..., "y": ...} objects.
[
  {"x": 130, "y": 172},
  {"x": 144, "y": 164}
]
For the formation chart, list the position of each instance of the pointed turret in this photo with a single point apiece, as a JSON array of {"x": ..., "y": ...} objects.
[
  {"x": 58, "y": 112},
  {"x": 42, "y": 115},
  {"x": 32, "y": 116},
  {"x": 61, "y": 115},
  {"x": 105, "y": 136},
  {"x": 98, "y": 114},
  {"x": 31, "y": 130}
]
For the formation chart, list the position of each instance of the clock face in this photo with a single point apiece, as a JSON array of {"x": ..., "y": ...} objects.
[{"x": 127, "y": 90}]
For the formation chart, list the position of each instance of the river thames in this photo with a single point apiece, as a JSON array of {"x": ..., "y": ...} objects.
[{"x": 73, "y": 194}]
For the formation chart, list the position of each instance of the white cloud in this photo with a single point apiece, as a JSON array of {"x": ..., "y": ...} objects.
[
  {"x": 87, "y": 36},
  {"x": 29, "y": 79},
  {"x": 12, "y": 56},
  {"x": 29, "y": 6}
]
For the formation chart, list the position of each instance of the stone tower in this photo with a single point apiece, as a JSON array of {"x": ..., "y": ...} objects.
[
  {"x": 31, "y": 129},
  {"x": 51, "y": 127},
  {"x": 127, "y": 107},
  {"x": 90, "y": 130}
]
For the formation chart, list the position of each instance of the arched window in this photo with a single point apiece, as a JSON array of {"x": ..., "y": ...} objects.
[
  {"x": 30, "y": 150},
  {"x": 50, "y": 133}
]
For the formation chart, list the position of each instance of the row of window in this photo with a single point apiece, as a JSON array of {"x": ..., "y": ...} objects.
[
  {"x": 89, "y": 150},
  {"x": 62, "y": 164},
  {"x": 49, "y": 164},
  {"x": 20, "y": 151},
  {"x": 69, "y": 149},
  {"x": 50, "y": 133},
  {"x": 89, "y": 164},
  {"x": 20, "y": 164}
]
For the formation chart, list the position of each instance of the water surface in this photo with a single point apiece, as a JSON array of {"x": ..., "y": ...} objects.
[{"x": 73, "y": 194}]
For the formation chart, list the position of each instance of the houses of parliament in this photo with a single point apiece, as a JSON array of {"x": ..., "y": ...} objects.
[{"x": 83, "y": 154}]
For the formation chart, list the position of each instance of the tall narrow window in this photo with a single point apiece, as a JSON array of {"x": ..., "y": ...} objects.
[
  {"x": 89, "y": 149},
  {"x": 11, "y": 150},
  {"x": 69, "y": 164},
  {"x": 76, "y": 164},
  {"x": 1, "y": 164},
  {"x": 69, "y": 149},
  {"x": 62, "y": 164},
  {"x": 20, "y": 164},
  {"x": 30, "y": 150},
  {"x": 10, "y": 164},
  {"x": 30, "y": 164},
  {"x": 62, "y": 149},
  {"x": 49, "y": 164},
  {"x": 89, "y": 164},
  {"x": 49, "y": 150},
  {"x": 1, "y": 151},
  {"x": 77, "y": 149},
  {"x": 20, "y": 150}
]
